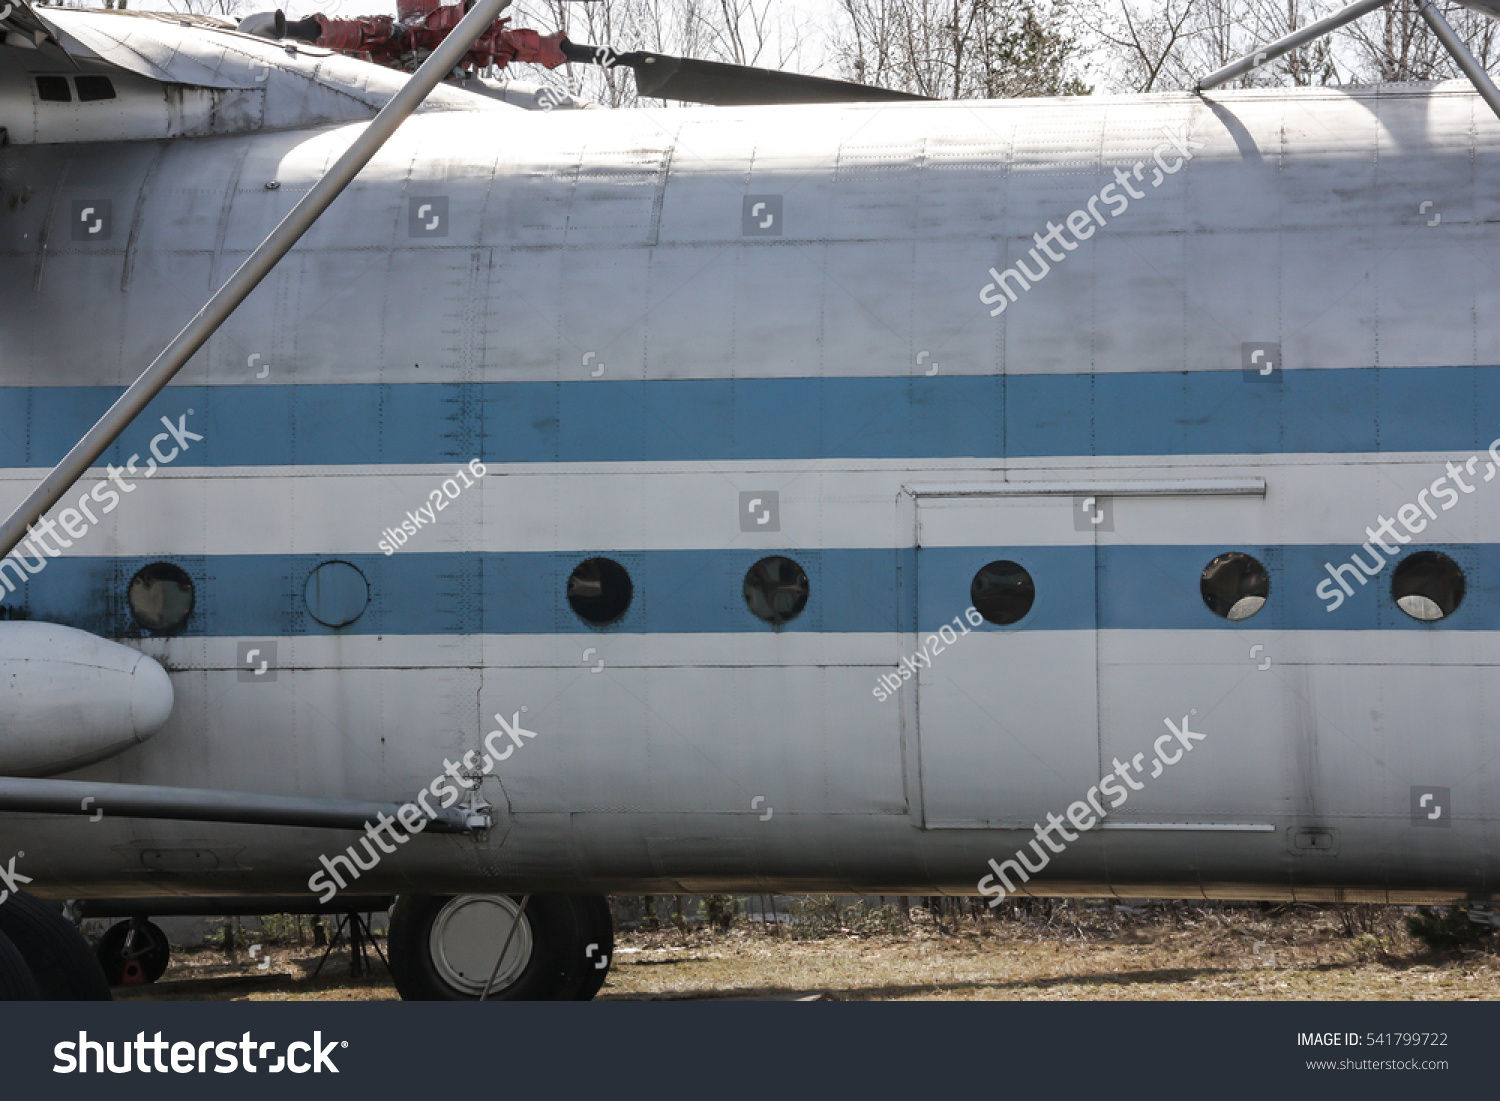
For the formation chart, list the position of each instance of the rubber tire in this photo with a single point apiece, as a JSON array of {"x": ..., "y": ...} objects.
[
  {"x": 112, "y": 944},
  {"x": 59, "y": 958},
  {"x": 17, "y": 983},
  {"x": 586, "y": 924},
  {"x": 417, "y": 978}
]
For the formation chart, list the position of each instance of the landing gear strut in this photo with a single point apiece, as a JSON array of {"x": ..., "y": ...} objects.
[{"x": 446, "y": 947}]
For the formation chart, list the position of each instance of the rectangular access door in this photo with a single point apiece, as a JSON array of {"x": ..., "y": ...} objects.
[{"x": 1007, "y": 714}]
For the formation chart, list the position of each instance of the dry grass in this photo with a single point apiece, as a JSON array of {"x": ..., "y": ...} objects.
[{"x": 1061, "y": 951}]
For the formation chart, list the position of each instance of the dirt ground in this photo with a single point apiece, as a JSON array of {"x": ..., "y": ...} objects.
[{"x": 1064, "y": 951}]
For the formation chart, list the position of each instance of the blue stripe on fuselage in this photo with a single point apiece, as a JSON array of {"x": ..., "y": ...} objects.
[
  {"x": 701, "y": 591},
  {"x": 756, "y": 419}
]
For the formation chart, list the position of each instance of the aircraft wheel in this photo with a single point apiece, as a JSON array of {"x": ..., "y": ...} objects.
[
  {"x": 17, "y": 983},
  {"x": 443, "y": 948},
  {"x": 588, "y": 945},
  {"x": 134, "y": 952},
  {"x": 55, "y": 952}
]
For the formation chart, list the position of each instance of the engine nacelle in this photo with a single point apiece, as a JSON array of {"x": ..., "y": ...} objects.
[{"x": 69, "y": 698}]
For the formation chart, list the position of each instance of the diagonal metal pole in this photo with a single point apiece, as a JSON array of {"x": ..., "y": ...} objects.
[
  {"x": 256, "y": 267},
  {"x": 504, "y": 948},
  {"x": 1461, "y": 54},
  {"x": 1287, "y": 44}
]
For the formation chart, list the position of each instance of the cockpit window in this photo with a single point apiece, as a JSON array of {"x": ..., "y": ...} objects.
[
  {"x": 91, "y": 89},
  {"x": 53, "y": 89}
]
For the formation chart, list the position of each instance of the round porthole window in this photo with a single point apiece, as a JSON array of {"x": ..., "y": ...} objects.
[
  {"x": 161, "y": 597},
  {"x": 1428, "y": 586},
  {"x": 1234, "y": 586},
  {"x": 599, "y": 590},
  {"x": 1002, "y": 592},
  {"x": 776, "y": 590},
  {"x": 336, "y": 594}
]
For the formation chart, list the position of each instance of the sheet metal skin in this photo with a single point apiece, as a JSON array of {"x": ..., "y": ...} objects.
[{"x": 605, "y": 318}]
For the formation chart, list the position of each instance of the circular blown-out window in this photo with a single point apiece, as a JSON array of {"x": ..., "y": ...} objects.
[
  {"x": 776, "y": 590},
  {"x": 1234, "y": 586},
  {"x": 1002, "y": 592},
  {"x": 599, "y": 590},
  {"x": 161, "y": 597},
  {"x": 1428, "y": 586},
  {"x": 336, "y": 593}
]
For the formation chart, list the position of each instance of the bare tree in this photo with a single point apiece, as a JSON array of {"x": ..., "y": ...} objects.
[
  {"x": 741, "y": 32},
  {"x": 230, "y": 10},
  {"x": 595, "y": 25},
  {"x": 958, "y": 49},
  {"x": 1171, "y": 44},
  {"x": 868, "y": 52},
  {"x": 1395, "y": 44}
]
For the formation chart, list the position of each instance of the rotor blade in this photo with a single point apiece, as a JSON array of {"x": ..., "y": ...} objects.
[
  {"x": 661, "y": 76},
  {"x": 256, "y": 267}
]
